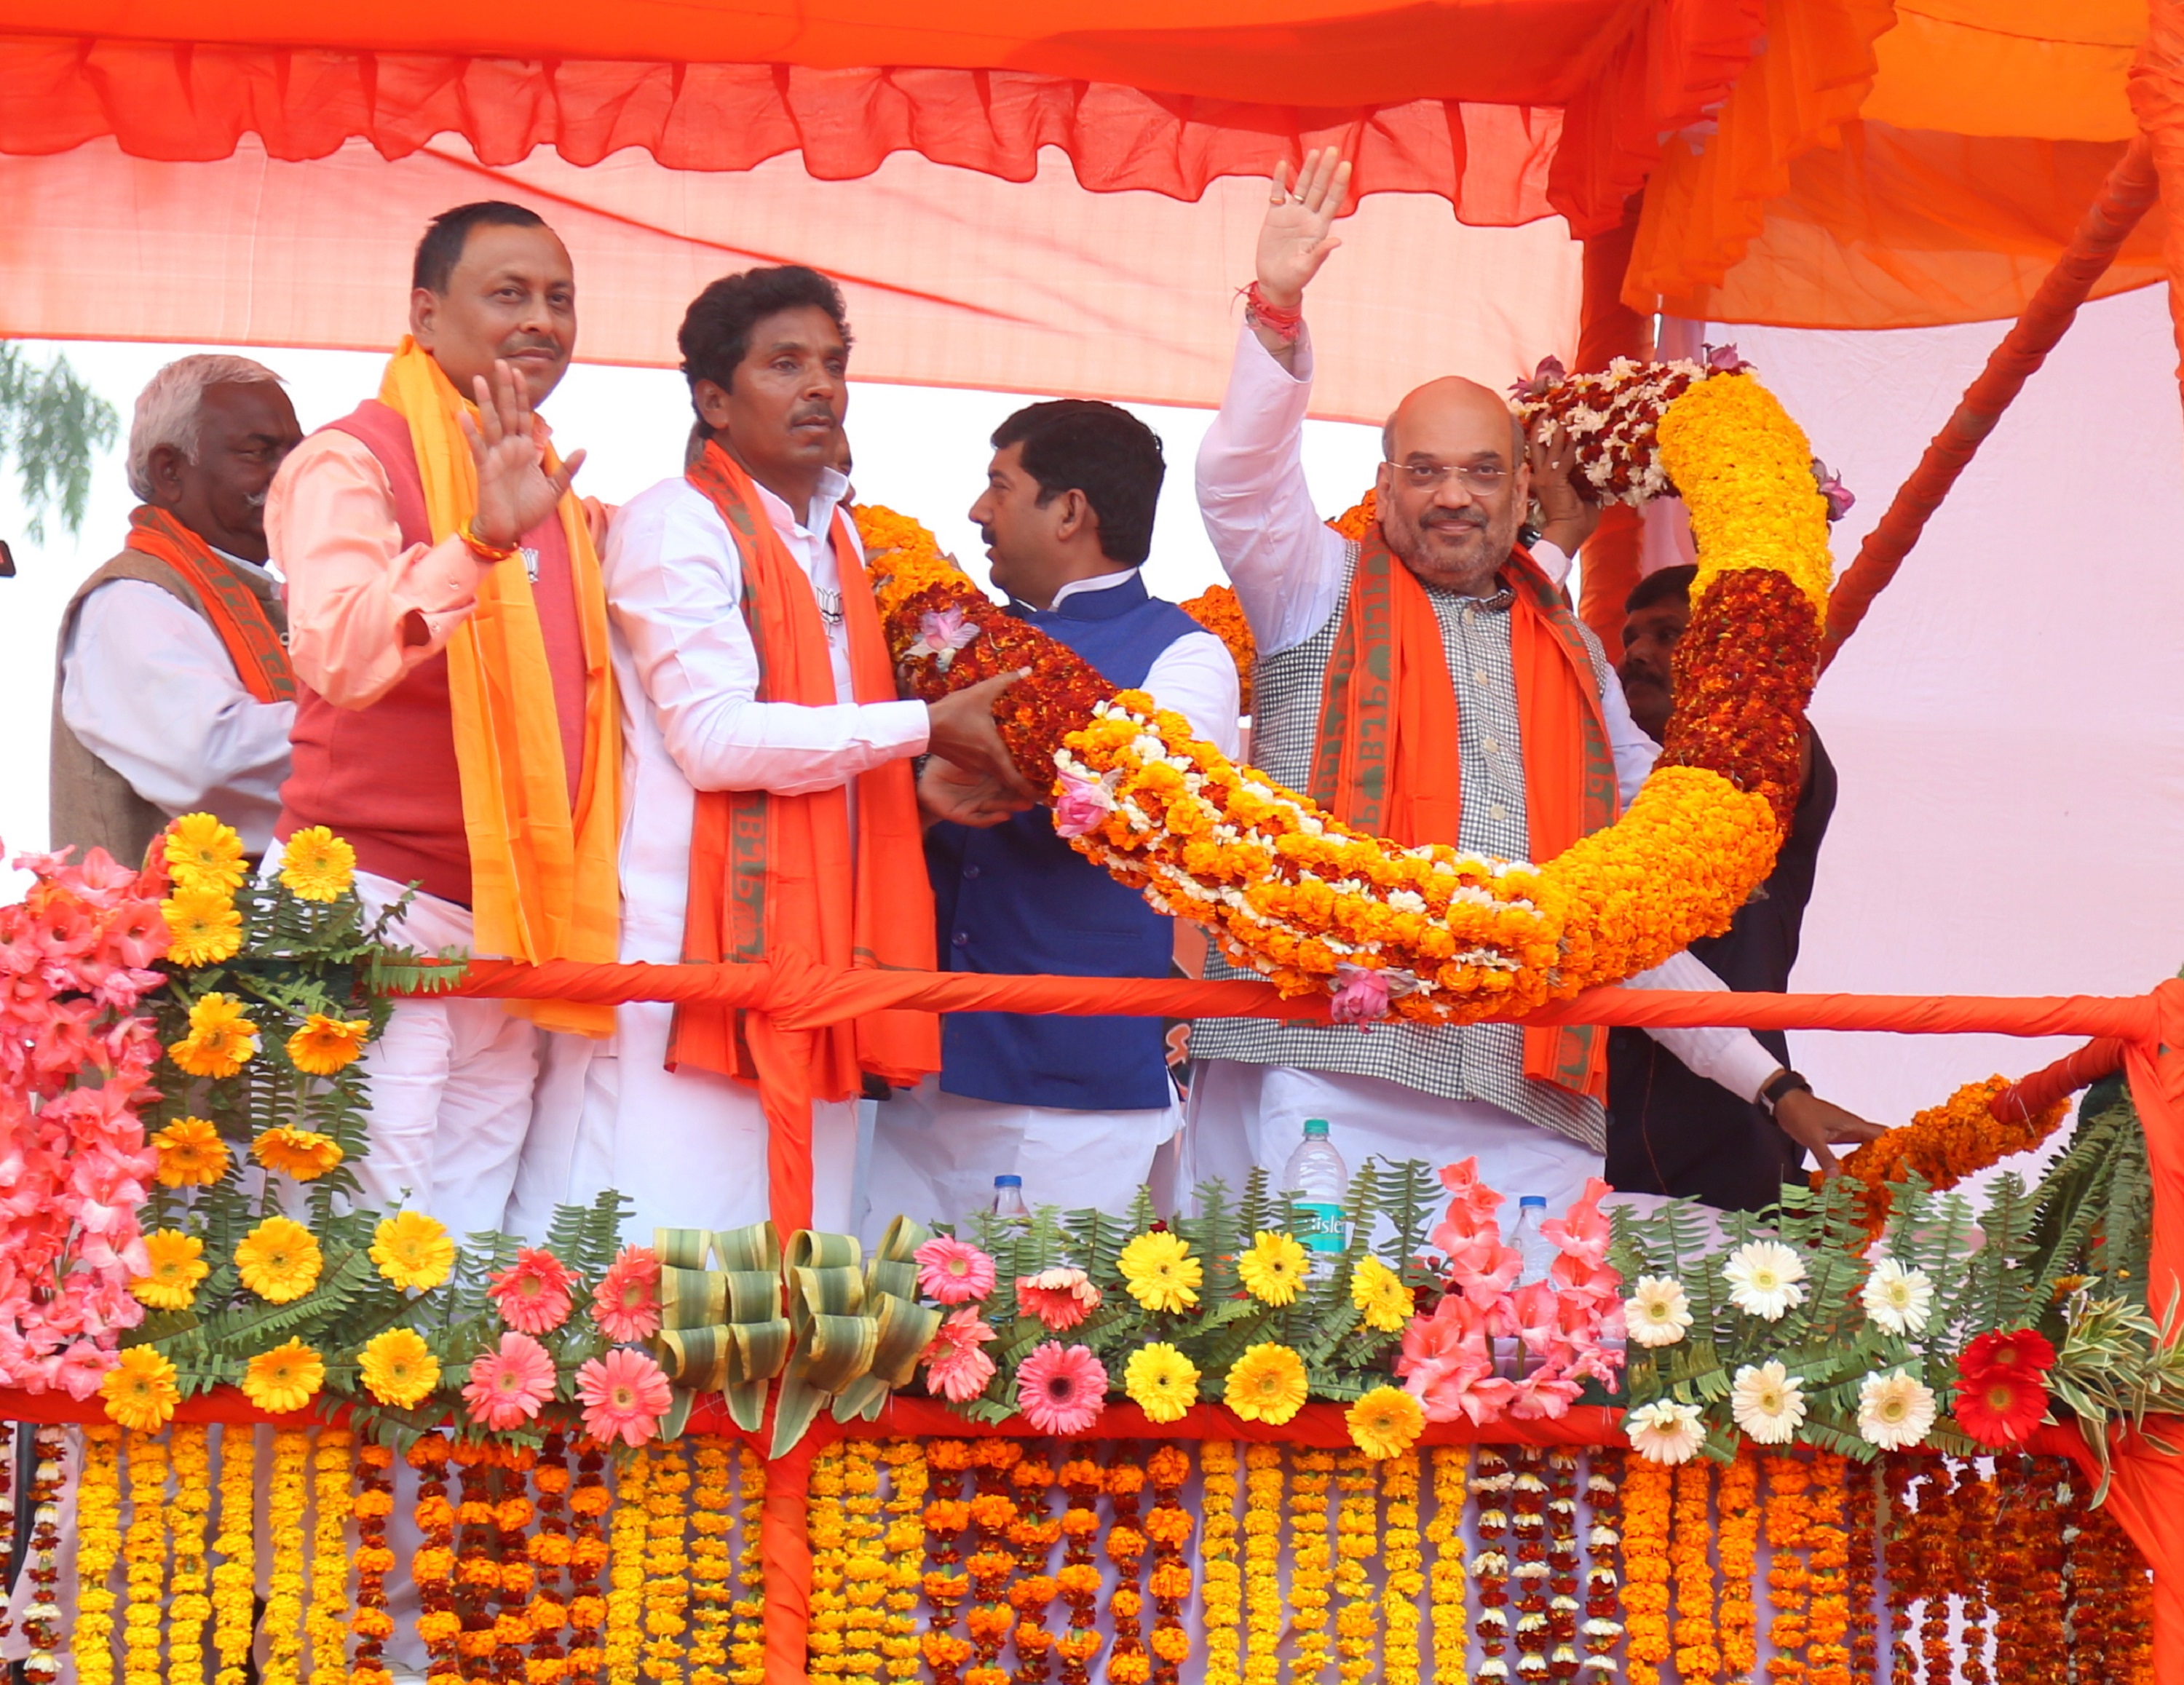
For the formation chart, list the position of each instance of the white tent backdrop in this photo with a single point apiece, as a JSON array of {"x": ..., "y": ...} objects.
[{"x": 2009, "y": 721}]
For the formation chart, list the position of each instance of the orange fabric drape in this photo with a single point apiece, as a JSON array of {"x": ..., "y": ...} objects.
[{"x": 246, "y": 630}]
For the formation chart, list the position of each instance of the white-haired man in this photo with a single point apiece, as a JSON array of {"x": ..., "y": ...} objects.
[{"x": 171, "y": 688}]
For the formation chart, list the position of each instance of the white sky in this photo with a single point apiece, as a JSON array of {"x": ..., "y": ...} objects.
[{"x": 919, "y": 450}]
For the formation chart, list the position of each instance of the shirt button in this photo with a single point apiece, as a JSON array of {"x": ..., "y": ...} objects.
[
  {"x": 1478, "y": 676},
  {"x": 1497, "y": 810},
  {"x": 1492, "y": 742},
  {"x": 970, "y": 872},
  {"x": 962, "y": 938}
]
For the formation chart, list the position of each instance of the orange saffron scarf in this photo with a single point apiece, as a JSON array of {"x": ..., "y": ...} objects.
[
  {"x": 545, "y": 880},
  {"x": 771, "y": 873},
  {"x": 237, "y": 612},
  {"x": 1388, "y": 755}
]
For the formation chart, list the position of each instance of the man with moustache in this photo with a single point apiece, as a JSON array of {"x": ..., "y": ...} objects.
[
  {"x": 456, "y": 721},
  {"x": 172, "y": 690},
  {"x": 771, "y": 804},
  {"x": 1505, "y": 733},
  {"x": 1075, "y": 1107},
  {"x": 1670, "y": 1130}
]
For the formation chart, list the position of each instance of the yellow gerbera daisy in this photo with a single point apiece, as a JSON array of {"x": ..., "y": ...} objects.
[
  {"x": 1380, "y": 1296},
  {"x": 177, "y": 1267},
  {"x": 286, "y": 1378},
  {"x": 203, "y": 926},
  {"x": 413, "y": 1250},
  {"x": 191, "y": 1155},
  {"x": 1386, "y": 1422},
  {"x": 317, "y": 865},
  {"x": 213, "y": 1013},
  {"x": 1161, "y": 1272},
  {"x": 221, "y": 1038},
  {"x": 326, "y": 1045},
  {"x": 1267, "y": 1384},
  {"x": 1161, "y": 1382},
  {"x": 203, "y": 854},
  {"x": 278, "y": 1261},
  {"x": 140, "y": 1390},
  {"x": 1274, "y": 1271},
  {"x": 303, "y": 1153},
  {"x": 398, "y": 1368}
]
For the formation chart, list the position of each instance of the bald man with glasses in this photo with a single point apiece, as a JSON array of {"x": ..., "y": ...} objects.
[{"x": 1427, "y": 684}]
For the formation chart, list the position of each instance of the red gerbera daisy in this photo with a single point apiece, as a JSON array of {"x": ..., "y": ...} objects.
[
  {"x": 2002, "y": 1407},
  {"x": 2019, "y": 1351}
]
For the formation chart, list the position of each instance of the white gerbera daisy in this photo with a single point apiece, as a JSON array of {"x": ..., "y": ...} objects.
[
  {"x": 1764, "y": 1279},
  {"x": 1767, "y": 1403},
  {"x": 1894, "y": 1410},
  {"x": 1657, "y": 1312},
  {"x": 1899, "y": 1300},
  {"x": 1666, "y": 1431}
]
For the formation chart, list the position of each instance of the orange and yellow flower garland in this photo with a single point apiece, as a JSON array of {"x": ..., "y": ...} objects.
[
  {"x": 947, "y": 1514},
  {"x": 1976, "y": 1509},
  {"x": 827, "y": 1535},
  {"x": 1402, "y": 1570},
  {"x": 1291, "y": 893},
  {"x": 1356, "y": 1542},
  {"x": 867, "y": 1566},
  {"x": 1452, "y": 1634},
  {"x": 992, "y": 1563},
  {"x": 1603, "y": 1544},
  {"x": 1078, "y": 1581},
  {"x": 1492, "y": 1483},
  {"x": 552, "y": 1553},
  {"x": 667, "y": 1562},
  {"x": 1263, "y": 1562},
  {"x": 1946, "y": 1143},
  {"x": 97, "y": 1548},
  {"x": 1168, "y": 1528},
  {"x": 748, "y": 1651},
  {"x": 1561, "y": 1611},
  {"x": 1736, "y": 1546},
  {"x": 1310, "y": 1575},
  {"x": 627, "y": 1531},
  {"x": 712, "y": 1560},
  {"x": 372, "y": 1506},
  {"x": 905, "y": 1543},
  {"x": 1033, "y": 1534},
  {"x": 328, "y": 1621},
  {"x": 144, "y": 1558},
  {"x": 189, "y": 1606},
  {"x": 1698, "y": 1653},
  {"x": 42, "y": 1634},
  {"x": 1528, "y": 1525},
  {"x": 1128, "y": 1661},
  {"x": 1648, "y": 1489},
  {"x": 285, "y": 1588},
  {"x": 1788, "y": 1582},
  {"x": 1863, "y": 1572}
]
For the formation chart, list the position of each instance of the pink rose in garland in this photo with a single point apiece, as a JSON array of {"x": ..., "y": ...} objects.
[
  {"x": 532, "y": 1295},
  {"x": 508, "y": 1386},
  {"x": 627, "y": 1303},
  {"x": 954, "y": 1367},
  {"x": 1062, "y": 1389},
  {"x": 953, "y": 1271},
  {"x": 624, "y": 1394}
]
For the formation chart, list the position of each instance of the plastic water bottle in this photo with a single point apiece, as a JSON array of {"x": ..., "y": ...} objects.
[
  {"x": 1537, "y": 1251},
  {"x": 1320, "y": 1181},
  {"x": 1008, "y": 1207}
]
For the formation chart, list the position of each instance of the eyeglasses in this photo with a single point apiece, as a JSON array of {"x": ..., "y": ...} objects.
[{"x": 1481, "y": 481}]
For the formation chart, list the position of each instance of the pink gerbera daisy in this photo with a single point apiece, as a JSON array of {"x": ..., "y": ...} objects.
[
  {"x": 623, "y": 1394},
  {"x": 953, "y": 1271},
  {"x": 533, "y": 1295},
  {"x": 1062, "y": 1389},
  {"x": 1060, "y": 1298},
  {"x": 627, "y": 1304},
  {"x": 508, "y": 1386},
  {"x": 955, "y": 1368}
]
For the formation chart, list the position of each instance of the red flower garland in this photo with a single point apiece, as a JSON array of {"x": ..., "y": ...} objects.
[{"x": 1743, "y": 673}]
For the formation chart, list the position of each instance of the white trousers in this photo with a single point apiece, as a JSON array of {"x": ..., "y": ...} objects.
[
  {"x": 935, "y": 1156},
  {"x": 1245, "y": 1115},
  {"x": 687, "y": 1147},
  {"x": 450, "y": 1085}
]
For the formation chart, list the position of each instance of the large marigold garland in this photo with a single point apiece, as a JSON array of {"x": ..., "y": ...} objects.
[
  {"x": 1289, "y": 892},
  {"x": 1944, "y": 1144}
]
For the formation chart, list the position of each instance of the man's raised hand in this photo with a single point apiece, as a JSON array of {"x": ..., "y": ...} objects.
[
  {"x": 515, "y": 492},
  {"x": 1293, "y": 240}
]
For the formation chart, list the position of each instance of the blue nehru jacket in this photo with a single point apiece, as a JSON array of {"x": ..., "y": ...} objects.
[{"x": 1018, "y": 899}]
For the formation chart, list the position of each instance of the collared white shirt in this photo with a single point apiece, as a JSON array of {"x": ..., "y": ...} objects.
[
  {"x": 148, "y": 687},
  {"x": 1287, "y": 566},
  {"x": 1195, "y": 675}
]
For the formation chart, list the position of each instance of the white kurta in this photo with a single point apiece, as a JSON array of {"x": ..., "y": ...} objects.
[
  {"x": 1287, "y": 567},
  {"x": 149, "y": 688},
  {"x": 689, "y": 1147},
  {"x": 935, "y": 1154}
]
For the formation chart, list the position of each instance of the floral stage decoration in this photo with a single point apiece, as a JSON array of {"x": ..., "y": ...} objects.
[{"x": 1428, "y": 933}]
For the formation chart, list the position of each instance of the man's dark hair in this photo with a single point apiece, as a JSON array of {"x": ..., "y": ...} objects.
[
  {"x": 447, "y": 233},
  {"x": 1670, "y": 585},
  {"x": 1077, "y": 444},
  {"x": 716, "y": 328}
]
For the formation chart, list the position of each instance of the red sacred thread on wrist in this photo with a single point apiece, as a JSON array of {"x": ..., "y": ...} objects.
[{"x": 1285, "y": 324}]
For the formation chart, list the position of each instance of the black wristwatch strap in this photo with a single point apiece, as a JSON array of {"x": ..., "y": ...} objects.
[{"x": 1789, "y": 1082}]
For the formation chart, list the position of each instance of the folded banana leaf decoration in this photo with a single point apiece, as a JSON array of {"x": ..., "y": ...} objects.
[
  {"x": 722, "y": 1330},
  {"x": 858, "y": 1329}
]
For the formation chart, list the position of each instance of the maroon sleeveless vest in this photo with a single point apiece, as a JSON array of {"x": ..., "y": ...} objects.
[{"x": 385, "y": 777}]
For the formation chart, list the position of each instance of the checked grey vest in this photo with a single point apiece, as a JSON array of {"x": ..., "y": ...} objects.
[{"x": 1455, "y": 1062}]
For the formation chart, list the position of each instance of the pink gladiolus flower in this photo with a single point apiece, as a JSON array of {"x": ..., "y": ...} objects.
[
  {"x": 953, "y": 1271},
  {"x": 1469, "y": 1198},
  {"x": 80, "y": 1368},
  {"x": 1062, "y": 1389},
  {"x": 1584, "y": 1231},
  {"x": 956, "y": 1367},
  {"x": 1084, "y": 803},
  {"x": 1060, "y": 1298},
  {"x": 137, "y": 934},
  {"x": 627, "y": 1303},
  {"x": 1484, "y": 1269},
  {"x": 1544, "y": 1393},
  {"x": 624, "y": 1394},
  {"x": 533, "y": 1295},
  {"x": 507, "y": 1387}
]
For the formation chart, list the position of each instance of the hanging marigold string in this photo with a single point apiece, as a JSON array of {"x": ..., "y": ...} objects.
[
  {"x": 712, "y": 1559},
  {"x": 1737, "y": 1549},
  {"x": 1263, "y": 1480},
  {"x": 667, "y": 1562},
  {"x": 1356, "y": 1542},
  {"x": 144, "y": 1557},
  {"x": 867, "y": 1565},
  {"x": 1129, "y": 1662},
  {"x": 328, "y": 1621},
  {"x": 1222, "y": 1599},
  {"x": 1603, "y": 1544},
  {"x": 189, "y": 1602},
  {"x": 748, "y": 1653},
  {"x": 1863, "y": 1570},
  {"x": 372, "y": 1506},
  {"x": 1033, "y": 1534},
  {"x": 1528, "y": 1525},
  {"x": 42, "y": 1632},
  {"x": 97, "y": 1549},
  {"x": 1902, "y": 1566},
  {"x": 1648, "y": 1489},
  {"x": 1698, "y": 1654},
  {"x": 826, "y": 1537},
  {"x": 587, "y": 1561},
  {"x": 1827, "y": 1656},
  {"x": 283, "y": 1623},
  {"x": 993, "y": 1563},
  {"x": 1450, "y": 1593},
  {"x": 1402, "y": 1575},
  {"x": 905, "y": 1541},
  {"x": 1788, "y": 1581},
  {"x": 1492, "y": 1486},
  {"x": 1945, "y": 1569},
  {"x": 513, "y": 1512},
  {"x": 432, "y": 1568},
  {"x": 1562, "y": 1472},
  {"x": 947, "y": 1514},
  {"x": 629, "y": 1530},
  {"x": 1975, "y": 1523},
  {"x": 551, "y": 1552},
  {"x": 1310, "y": 1577},
  {"x": 1168, "y": 1528}
]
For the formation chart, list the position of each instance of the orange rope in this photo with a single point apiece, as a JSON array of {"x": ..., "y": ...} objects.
[
  {"x": 2125, "y": 199},
  {"x": 2018, "y": 1103}
]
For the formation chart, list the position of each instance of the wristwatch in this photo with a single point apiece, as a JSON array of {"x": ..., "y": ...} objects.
[{"x": 1789, "y": 1082}]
